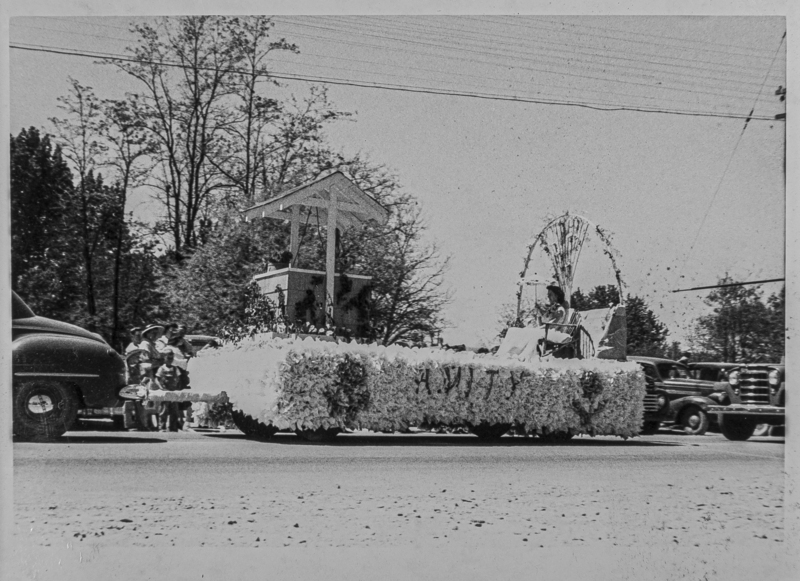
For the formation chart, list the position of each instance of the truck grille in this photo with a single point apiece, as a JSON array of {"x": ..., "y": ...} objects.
[
  {"x": 650, "y": 398},
  {"x": 754, "y": 386},
  {"x": 650, "y": 402}
]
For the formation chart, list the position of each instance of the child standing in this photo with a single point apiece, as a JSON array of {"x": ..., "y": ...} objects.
[{"x": 168, "y": 379}]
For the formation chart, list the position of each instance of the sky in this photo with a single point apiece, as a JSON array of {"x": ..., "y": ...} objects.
[{"x": 690, "y": 193}]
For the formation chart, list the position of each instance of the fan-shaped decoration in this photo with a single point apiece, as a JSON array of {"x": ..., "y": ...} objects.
[{"x": 562, "y": 241}]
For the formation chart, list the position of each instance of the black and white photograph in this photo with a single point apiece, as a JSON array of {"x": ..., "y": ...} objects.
[{"x": 448, "y": 290}]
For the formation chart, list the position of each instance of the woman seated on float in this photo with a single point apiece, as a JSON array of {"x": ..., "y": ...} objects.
[{"x": 522, "y": 343}]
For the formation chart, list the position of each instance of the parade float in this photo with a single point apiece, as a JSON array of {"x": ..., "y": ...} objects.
[{"x": 318, "y": 388}]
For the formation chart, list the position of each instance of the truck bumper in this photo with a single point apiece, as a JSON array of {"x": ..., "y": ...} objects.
[{"x": 765, "y": 414}]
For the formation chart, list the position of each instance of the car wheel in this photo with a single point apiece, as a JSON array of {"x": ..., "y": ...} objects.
[
  {"x": 251, "y": 427},
  {"x": 650, "y": 428},
  {"x": 737, "y": 428},
  {"x": 694, "y": 420},
  {"x": 43, "y": 410},
  {"x": 318, "y": 435},
  {"x": 490, "y": 431}
]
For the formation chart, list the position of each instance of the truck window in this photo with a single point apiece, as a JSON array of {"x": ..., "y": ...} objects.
[{"x": 678, "y": 372}]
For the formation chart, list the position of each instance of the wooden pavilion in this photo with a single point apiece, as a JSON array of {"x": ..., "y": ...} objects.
[{"x": 335, "y": 202}]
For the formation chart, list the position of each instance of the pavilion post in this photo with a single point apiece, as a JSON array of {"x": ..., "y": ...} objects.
[
  {"x": 294, "y": 234},
  {"x": 330, "y": 254}
]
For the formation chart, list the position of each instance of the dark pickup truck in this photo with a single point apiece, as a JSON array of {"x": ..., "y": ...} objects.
[
  {"x": 58, "y": 369},
  {"x": 755, "y": 394}
]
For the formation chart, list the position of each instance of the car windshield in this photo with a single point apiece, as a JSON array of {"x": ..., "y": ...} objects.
[{"x": 19, "y": 310}]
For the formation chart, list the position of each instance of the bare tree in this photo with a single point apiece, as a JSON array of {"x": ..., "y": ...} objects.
[
  {"x": 130, "y": 144},
  {"x": 79, "y": 136}
]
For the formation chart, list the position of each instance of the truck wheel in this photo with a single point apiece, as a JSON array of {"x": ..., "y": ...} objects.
[
  {"x": 490, "y": 431},
  {"x": 251, "y": 427},
  {"x": 737, "y": 428},
  {"x": 694, "y": 420},
  {"x": 43, "y": 410},
  {"x": 318, "y": 435}
]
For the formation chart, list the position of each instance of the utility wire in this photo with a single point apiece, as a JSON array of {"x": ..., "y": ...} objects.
[
  {"x": 403, "y": 88},
  {"x": 390, "y": 23},
  {"x": 682, "y": 290},
  {"x": 649, "y": 71},
  {"x": 648, "y": 43},
  {"x": 533, "y": 69},
  {"x": 730, "y": 159}
]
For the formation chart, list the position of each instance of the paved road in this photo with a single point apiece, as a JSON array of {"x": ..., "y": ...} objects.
[{"x": 419, "y": 505}]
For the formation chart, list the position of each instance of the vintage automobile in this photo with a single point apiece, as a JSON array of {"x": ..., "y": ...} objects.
[
  {"x": 755, "y": 394},
  {"x": 656, "y": 400},
  {"x": 58, "y": 369},
  {"x": 689, "y": 396},
  {"x": 199, "y": 342}
]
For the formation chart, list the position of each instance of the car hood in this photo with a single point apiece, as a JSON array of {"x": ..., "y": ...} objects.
[{"x": 45, "y": 325}]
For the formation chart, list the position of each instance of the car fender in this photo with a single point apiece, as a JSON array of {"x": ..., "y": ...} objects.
[
  {"x": 92, "y": 367},
  {"x": 678, "y": 405}
]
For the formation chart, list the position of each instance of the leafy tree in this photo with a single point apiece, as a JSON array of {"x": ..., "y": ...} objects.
[
  {"x": 209, "y": 289},
  {"x": 43, "y": 259},
  {"x": 741, "y": 326}
]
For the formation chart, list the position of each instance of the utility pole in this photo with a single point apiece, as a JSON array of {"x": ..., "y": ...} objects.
[{"x": 781, "y": 92}]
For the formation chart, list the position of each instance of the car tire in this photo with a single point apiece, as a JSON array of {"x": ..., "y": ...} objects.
[
  {"x": 43, "y": 410},
  {"x": 694, "y": 420},
  {"x": 490, "y": 431},
  {"x": 251, "y": 427},
  {"x": 318, "y": 435},
  {"x": 737, "y": 428}
]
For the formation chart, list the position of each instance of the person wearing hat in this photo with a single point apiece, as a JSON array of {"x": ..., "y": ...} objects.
[
  {"x": 136, "y": 338},
  {"x": 150, "y": 357}
]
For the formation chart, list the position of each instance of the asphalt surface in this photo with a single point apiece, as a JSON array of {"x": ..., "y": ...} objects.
[{"x": 392, "y": 506}]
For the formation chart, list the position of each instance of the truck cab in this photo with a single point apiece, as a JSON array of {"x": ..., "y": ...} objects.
[{"x": 755, "y": 394}]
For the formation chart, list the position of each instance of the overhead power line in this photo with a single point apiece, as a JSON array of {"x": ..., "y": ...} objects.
[
  {"x": 406, "y": 88},
  {"x": 682, "y": 290}
]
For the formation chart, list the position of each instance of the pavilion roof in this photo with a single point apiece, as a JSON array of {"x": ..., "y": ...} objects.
[{"x": 353, "y": 205}]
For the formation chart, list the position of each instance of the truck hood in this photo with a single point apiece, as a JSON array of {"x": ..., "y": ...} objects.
[{"x": 45, "y": 325}]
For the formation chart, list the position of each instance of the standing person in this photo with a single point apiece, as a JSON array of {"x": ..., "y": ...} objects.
[
  {"x": 136, "y": 338},
  {"x": 150, "y": 357},
  {"x": 169, "y": 333},
  {"x": 179, "y": 341},
  {"x": 168, "y": 378}
]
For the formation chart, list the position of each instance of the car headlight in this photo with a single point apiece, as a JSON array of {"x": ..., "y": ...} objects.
[
  {"x": 662, "y": 401},
  {"x": 733, "y": 378},
  {"x": 774, "y": 377}
]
